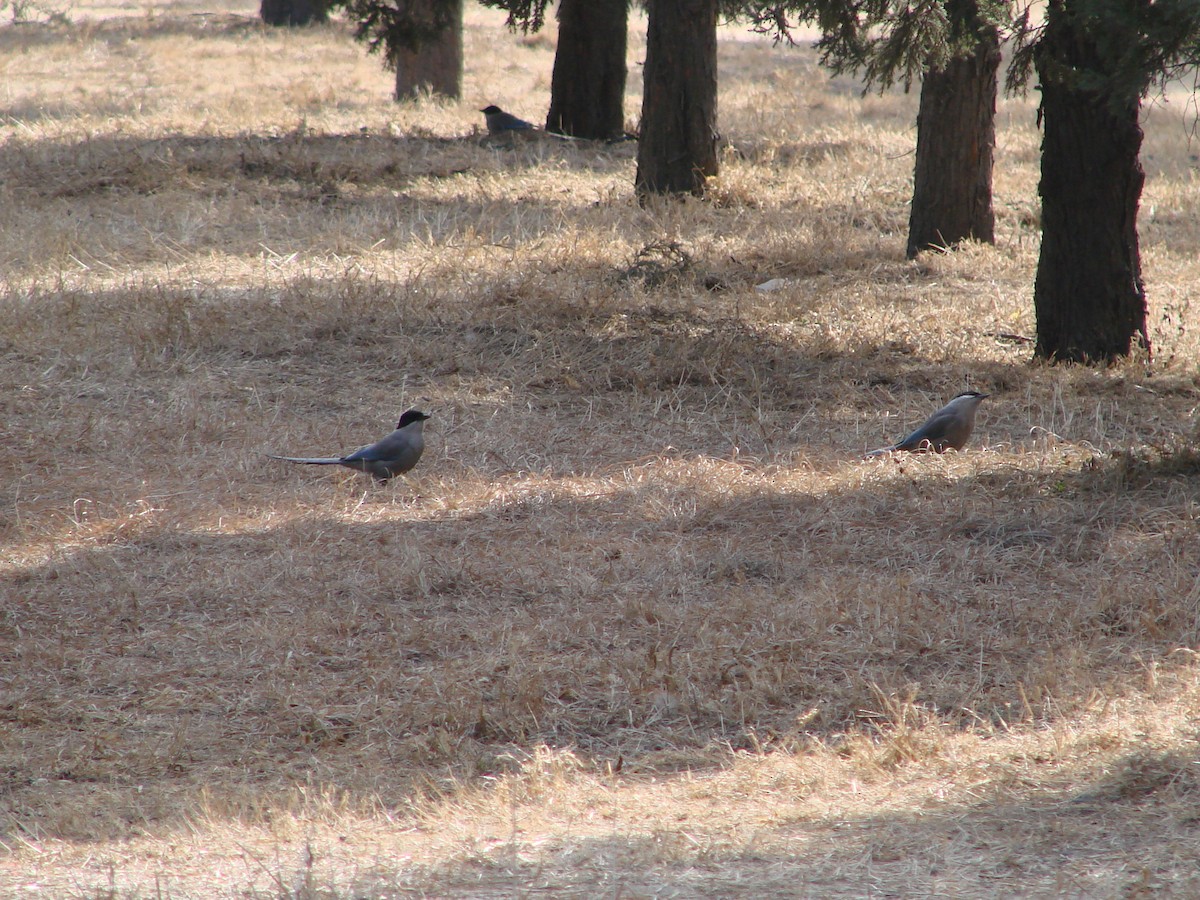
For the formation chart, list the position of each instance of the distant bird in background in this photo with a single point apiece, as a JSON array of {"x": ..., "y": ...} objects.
[
  {"x": 947, "y": 429},
  {"x": 392, "y": 455},
  {"x": 498, "y": 121}
]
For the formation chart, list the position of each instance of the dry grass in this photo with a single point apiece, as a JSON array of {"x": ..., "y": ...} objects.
[{"x": 642, "y": 623}]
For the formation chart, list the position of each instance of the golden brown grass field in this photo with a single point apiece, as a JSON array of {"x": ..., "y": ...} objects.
[{"x": 642, "y": 623}]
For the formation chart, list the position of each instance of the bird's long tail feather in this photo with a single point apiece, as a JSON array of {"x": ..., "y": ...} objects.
[{"x": 311, "y": 460}]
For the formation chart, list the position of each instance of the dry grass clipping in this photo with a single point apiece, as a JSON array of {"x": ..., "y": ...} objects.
[{"x": 642, "y": 621}]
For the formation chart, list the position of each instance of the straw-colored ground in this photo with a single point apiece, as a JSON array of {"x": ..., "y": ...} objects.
[{"x": 642, "y": 623}]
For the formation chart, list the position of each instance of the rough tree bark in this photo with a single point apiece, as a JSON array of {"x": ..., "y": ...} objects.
[
  {"x": 587, "y": 89},
  {"x": 956, "y": 138},
  {"x": 677, "y": 149},
  {"x": 435, "y": 66},
  {"x": 1088, "y": 295}
]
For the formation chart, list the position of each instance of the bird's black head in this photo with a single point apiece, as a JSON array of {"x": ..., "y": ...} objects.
[
  {"x": 974, "y": 394},
  {"x": 413, "y": 415},
  {"x": 491, "y": 110}
]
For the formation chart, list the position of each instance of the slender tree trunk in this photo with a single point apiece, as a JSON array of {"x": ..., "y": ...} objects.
[
  {"x": 435, "y": 66},
  {"x": 587, "y": 89},
  {"x": 956, "y": 139},
  {"x": 1088, "y": 294},
  {"x": 677, "y": 149},
  {"x": 293, "y": 12}
]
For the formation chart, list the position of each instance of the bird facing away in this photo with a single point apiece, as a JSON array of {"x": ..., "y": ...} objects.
[
  {"x": 392, "y": 455},
  {"x": 947, "y": 429},
  {"x": 498, "y": 121}
]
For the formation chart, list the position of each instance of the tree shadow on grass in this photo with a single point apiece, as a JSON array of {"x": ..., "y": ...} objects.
[
  {"x": 651, "y": 618},
  {"x": 304, "y": 193},
  {"x": 299, "y": 165},
  {"x": 25, "y": 35},
  {"x": 1127, "y": 830}
]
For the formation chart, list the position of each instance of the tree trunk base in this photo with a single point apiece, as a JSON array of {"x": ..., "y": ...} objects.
[
  {"x": 293, "y": 12},
  {"x": 956, "y": 138},
  {"x": 1088, "y": 294},
  {"x": 677, "y": 150},
  {"x": 435, "y": 67},
  {"x": 587, "y": 89}
]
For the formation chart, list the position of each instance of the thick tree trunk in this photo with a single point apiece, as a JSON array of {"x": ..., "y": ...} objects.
[
  {"x": 293, "y": 12},
  {"x": 435, "y": 66},
  {"x": 587, "y": 89},
  {"x": 677, "y": 149},
  {"x": 956, "y": 139},
  {"x": 1088, "y": 295}
]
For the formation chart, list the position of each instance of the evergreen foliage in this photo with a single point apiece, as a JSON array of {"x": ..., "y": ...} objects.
[
  {"x": 1137, "y": 44},
  {"x": 393, "y": 26},
  {"x": 1140, "y": 43}
]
